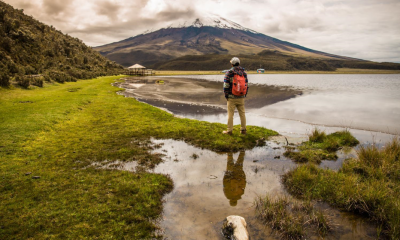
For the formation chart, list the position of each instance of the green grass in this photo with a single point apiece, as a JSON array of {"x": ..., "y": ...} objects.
[
  {"x": 368, "y": 184},
  {"x": 321, "y": 146},
  {"x": 291, "y": 218},
  {"x": 59, "y": 131}
]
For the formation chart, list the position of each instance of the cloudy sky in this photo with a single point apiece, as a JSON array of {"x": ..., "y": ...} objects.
[{"x": 366, "y": 29}]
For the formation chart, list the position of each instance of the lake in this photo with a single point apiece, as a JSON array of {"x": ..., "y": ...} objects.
[
  {"x": 292, "y": 104},
  {"x": 367, "y": 104}
]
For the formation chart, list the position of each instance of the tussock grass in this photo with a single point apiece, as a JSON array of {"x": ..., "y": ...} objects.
[
  {"x": 368, "y": 184},
  {"x": 291, "y": 218},
  {"x": 321, "y": 146},
  {"x": 59, "y": 132}
]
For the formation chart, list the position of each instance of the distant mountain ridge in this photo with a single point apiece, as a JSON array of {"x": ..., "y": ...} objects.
[{"x": 205, "y": 35}]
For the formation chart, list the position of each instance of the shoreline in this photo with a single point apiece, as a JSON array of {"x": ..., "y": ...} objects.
[
  {"x": 187, "y": 104},
  {"x": 338, "y": 71}
]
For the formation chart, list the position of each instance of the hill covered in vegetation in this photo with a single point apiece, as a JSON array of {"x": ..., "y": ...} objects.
[
  {"x": 31, "y": 48},
  {"x": 267, "y": 59},
  {"x": 270, "y": 60}
]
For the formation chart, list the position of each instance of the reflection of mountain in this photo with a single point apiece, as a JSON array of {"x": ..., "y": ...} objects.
[
  {"x": 234, "y": 179},
  {"x": 207, "y": 35}
]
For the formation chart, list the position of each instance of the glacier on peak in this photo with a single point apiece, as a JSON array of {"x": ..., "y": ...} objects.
[{"x": 209, "y": 20}]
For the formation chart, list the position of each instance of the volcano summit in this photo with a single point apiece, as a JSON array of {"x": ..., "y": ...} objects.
[{"x": 206, "y": 35}]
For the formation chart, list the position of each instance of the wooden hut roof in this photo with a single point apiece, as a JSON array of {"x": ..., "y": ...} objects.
[{"x": 137, "y": 66}]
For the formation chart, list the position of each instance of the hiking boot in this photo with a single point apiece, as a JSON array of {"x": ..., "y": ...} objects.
[
  {"x": 243, "y": 132},
  {"x": 227, "y": 132}
]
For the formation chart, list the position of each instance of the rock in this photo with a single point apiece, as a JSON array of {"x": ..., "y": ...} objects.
[
  {"x": 28, "y": 173},
  {"x": 235, "y": 227},
  {"x": 35, "y": 177}
]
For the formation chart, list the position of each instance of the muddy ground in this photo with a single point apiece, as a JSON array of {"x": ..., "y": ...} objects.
[{"x": 182, "y": 95}]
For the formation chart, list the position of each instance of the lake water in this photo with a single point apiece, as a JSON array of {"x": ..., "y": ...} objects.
[{"x": 368, "y": 104}]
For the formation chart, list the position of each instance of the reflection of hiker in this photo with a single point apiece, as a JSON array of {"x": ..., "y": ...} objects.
[
  {"x": 234, "y": 179},
  {"x": 235, "y": 89}
]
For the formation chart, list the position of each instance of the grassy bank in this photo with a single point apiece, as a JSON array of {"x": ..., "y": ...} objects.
[
  {"x": 291, "y": 218},
  {"x": 321, "y": 146},
  {"x": 51, "y": 136},
  {"x": 337, "y": 71},
  {"x": 368, "y": 184}
]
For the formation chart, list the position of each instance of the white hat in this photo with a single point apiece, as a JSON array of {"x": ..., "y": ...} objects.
[{"x": 235, "y": 60}]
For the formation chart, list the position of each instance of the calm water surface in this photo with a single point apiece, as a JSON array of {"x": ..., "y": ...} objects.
[
  {"x": 356, "y": 101},
  {"x": 204, "y": 193}
]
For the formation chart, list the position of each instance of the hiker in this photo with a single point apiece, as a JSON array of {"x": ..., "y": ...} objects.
[{"x": 235, "y": 89}]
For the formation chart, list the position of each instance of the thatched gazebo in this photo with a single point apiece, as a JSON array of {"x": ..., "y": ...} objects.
[{"x": 136, "y": 69}]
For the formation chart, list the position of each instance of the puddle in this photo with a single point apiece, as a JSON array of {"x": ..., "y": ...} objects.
[{"x": 210, "y": 186}]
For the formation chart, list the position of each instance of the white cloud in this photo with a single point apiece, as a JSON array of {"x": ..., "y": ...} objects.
[{"x": 367, "y": 29}]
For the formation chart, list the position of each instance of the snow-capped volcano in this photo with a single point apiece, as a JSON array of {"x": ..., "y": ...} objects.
[
  {"x": 208, "y": 20},
  {"x": 212, "y": 20},
  {"x": 207, "y": 34}
]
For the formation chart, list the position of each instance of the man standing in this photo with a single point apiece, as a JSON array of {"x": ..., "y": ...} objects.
[{"x": 235, "y": 89}]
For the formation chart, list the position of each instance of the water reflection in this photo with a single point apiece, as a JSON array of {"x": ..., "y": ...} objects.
[
  {"x": 234, "y": 179},
  {"x": 198, "y": 204}
]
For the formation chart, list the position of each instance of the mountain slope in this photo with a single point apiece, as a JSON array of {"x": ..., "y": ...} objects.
[
  {"x": 28, "y": 47},
  {"x": 208, "y": 35},
  {"x": 269, "y": 60}
]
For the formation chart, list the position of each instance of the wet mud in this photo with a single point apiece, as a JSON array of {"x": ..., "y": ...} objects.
[{"x": 184, "y": 95}]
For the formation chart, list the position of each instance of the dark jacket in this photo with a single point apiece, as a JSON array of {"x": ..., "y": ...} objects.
[{"x": 228, "y": 81}]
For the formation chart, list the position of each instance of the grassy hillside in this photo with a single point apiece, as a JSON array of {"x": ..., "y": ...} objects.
[
  {"x": 29, "y": 47},
  {"x": 269, "y": 60}
]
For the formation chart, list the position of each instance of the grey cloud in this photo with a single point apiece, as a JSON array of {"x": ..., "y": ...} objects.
[
  {"x": 55, "y": 7},
  {"x": 25, "y": 4},
  {"x": 172, "y": 14},
  {"x": 119, "y": 30},
  {"x": 365, "y": 29},
  {"x": 108, "y": 9}
]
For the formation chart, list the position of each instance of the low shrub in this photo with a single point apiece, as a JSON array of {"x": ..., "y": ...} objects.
[
  {"x": 4, "y": 79},
  {"x": 61, "y": 77},
  {"x": 22, "y": 81},
  {"x": 37, "y": 81}
]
